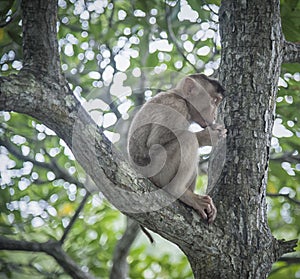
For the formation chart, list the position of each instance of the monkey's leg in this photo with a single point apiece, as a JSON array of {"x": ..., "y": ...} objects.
[
  {"x": 178, "y": 175},
  {"x": 178, "y": 171},
  {"x": 201, "y": 201}
]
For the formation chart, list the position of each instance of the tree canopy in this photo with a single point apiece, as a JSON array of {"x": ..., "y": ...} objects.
[{"x": 44, "y": 193}]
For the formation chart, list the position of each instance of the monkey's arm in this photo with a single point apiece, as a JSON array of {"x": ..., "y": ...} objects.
[
  {"x": 210, "y": 135},
  {"x": 203, "y": 138}
]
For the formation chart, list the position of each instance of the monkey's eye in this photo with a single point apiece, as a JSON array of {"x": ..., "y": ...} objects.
[{"x": 218, "y": 99}]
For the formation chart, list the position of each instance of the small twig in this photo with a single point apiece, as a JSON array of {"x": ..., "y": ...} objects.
[
  {"x": 286, "y": 157},
  {"x": 23, "y": 269},
  {"x": 13, "y": 16},
  {"x": 16, "y": 152},
  {"x": 110, "y": 24},
  {"x": 53, "y": 166},
  {"x": 285, "y": 196},
  {"x": 74, "y": 218},
  {"x": 205, "y": 3},
  {"x": 290, "y": 260},
  {"x": 173, "y": 37},
  {"x": 291, "y": 52}
]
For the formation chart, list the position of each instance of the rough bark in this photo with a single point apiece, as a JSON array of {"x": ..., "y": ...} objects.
[
  {"x": 39, "y": 36},
  {"x": 252, "y": 48},
  {"x": 239, "y": 244},
  {"x": 291, "y": 52}
]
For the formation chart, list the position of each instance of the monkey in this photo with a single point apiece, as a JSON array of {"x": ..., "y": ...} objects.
[{"x": 161, "y": 147}]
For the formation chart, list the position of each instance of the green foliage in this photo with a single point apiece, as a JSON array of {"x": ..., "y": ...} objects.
[
  {"x": 290, "y": 14},
  {"x": 10, "y": 36},
  {"x": 284, "y": 174},
  {"x": 290, "y": 18}
]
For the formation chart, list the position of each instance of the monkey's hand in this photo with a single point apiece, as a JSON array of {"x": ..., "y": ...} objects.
[
  {"x": 217, "y": 132},
  {"x": 211, "y": 135}
]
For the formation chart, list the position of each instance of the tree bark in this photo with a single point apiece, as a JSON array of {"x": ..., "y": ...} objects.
[
  {"x": 291, "y": 52},
  {"x": 41, "y": 54},
  {"x": 239, "y": 244},
  {"x": 252, "y": 48}
]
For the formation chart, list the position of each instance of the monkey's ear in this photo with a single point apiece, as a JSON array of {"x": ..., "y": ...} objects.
[{"x": 187, "y": 86}]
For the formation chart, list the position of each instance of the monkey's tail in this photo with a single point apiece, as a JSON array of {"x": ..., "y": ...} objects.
[{"x": 147, "y": 234}]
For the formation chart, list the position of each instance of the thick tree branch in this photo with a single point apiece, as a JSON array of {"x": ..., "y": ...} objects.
[
  {"x": 51, "y": 248},
  {"x": 40, "y": 38},
  {"x": 120, "y": 184},
  {"x": 241, "y": 230},
  {"x": 291, "y": 52},
  {"x": 282, "y": 247}
]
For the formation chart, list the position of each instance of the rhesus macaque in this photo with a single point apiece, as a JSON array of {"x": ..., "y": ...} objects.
[{"x": 161, "y": 147}]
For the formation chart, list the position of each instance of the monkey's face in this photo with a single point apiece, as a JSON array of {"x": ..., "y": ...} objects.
[
  {"x": 203, "y": 107},
  {"x": 203, "y": 96}
]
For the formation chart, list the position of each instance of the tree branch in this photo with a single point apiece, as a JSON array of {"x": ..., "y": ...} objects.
[
  {"x": 290, "y": 260},
  {"x": 208, "y": 6},
  {"x": 282, "y": 247},
  {"x": 54, "y": 106},
  {"x": 56, "y": 169},
  {"x": 286, "y": 157},
  {"x": 120, "y": 266},
  {"x": 110, "y": 20},
  {"x": 41, "y": 54},
  {"x": 13, "y": 16},
  {"x": 51, "y": 248},
  {"x": 74, "y": 218},
  {"x": 174, "y": 39},
  {"x": 34, "y": 270},
  {"x": 285, "y": 196},
  {"x": 291, "y": 52}
]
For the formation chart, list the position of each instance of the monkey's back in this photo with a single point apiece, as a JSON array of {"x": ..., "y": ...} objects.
[{"x": 156, "y": 124}]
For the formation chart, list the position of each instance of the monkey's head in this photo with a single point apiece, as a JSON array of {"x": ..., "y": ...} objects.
[{"x": 203, "y": 96}]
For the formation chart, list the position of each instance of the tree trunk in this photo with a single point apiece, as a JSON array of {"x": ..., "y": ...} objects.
[
  {"x": 239, "y": 244},
  {"x": 252, "y": 43}
]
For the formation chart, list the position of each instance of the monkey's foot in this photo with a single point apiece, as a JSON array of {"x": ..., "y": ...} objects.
[{"x": 206, "y": 208}]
